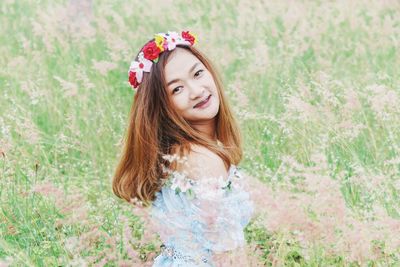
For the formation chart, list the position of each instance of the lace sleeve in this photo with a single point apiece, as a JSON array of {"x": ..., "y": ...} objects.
[{"x": 223, "y": 216}]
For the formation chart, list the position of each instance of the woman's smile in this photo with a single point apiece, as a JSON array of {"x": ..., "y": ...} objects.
[{"x": 203, "y": 104}]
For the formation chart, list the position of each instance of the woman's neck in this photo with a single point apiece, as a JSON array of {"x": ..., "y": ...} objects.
[{"x": 207, "y": 128}]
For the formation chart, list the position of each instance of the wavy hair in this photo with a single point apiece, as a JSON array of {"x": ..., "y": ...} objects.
[{"x": 155, "y": 129}]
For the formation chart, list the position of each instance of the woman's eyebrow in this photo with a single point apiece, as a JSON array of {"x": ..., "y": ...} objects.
[
  {"x": 194, "y": 66},
  {"x": 191, "y": 69}
]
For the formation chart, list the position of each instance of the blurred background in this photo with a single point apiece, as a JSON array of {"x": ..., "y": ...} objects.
[{"x": 315, "y": 88}]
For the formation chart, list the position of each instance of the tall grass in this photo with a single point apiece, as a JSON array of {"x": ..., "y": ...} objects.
[{"x": 315, "y": 86}]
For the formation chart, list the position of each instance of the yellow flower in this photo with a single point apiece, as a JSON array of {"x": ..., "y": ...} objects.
[
  {"x": 195, "y": 37},
  {"x": 159, "y": 41}
]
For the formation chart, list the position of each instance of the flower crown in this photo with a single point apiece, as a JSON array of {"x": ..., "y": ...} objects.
[{"x": 151, "y": 51}]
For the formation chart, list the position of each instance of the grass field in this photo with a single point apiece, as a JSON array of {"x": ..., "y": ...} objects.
[{"x": 315, "y": 86}]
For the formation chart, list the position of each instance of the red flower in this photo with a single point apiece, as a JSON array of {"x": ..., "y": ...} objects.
[
  {"x": 151, "y": 51},
  {"x": 188, "y": 37},
  {"x": 132, "y": 79}
]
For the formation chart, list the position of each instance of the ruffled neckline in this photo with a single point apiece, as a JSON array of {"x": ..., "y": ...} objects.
[
  {"x": 231, "y": 171},
  {"x": 181, "y": 183}
]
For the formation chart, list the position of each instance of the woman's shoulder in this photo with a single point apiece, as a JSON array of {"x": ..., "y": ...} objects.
[{"x": 202, "y": 162}]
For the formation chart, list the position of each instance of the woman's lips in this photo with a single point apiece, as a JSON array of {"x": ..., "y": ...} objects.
[{"x": 202, "y": 104}]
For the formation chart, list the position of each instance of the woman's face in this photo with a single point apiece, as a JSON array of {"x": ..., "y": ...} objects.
[{"x": 189, "y": 83}]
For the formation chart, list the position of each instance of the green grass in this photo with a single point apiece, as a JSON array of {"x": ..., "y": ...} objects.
[{"x": 272, "y": 54}]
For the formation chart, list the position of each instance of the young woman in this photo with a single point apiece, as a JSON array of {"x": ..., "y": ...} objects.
[{"x": 180, "y": 155}]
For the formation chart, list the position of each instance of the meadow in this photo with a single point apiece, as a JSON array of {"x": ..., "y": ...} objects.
[{"x": 315, "y": 86}]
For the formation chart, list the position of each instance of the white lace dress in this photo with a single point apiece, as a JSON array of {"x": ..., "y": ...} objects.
[{"x": 196, "y": 219}]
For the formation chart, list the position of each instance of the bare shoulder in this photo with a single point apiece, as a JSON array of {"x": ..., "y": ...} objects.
[{"x": 202, "y": 162}]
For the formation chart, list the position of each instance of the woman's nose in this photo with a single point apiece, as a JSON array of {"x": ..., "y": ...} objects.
[{"x": 196, "y": 90}]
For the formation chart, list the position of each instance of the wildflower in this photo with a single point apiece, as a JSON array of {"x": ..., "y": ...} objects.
[
  {"x": 181, "y": 182},
  {"x": 103, "y": 66},
  {"x": 170, "y": 158},
  {"x": 70, "y": 88},
  {"x": 48, "y": 189}
]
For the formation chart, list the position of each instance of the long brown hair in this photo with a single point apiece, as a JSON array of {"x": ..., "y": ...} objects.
[{"x": 156, "y": 129}]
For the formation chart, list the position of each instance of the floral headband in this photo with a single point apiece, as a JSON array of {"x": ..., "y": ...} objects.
[{"x": 151, "y": 51}]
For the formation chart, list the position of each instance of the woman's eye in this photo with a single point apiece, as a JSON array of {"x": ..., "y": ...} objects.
[
  {"x": 176, "y": 89},
  {"x": 198, "y": 73}
]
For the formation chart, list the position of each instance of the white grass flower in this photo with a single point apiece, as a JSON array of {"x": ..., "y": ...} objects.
[
  {"x": 180, "y": 181},
  {"x": 70, "y": 88},
  {"x": 103, "y": 66}
]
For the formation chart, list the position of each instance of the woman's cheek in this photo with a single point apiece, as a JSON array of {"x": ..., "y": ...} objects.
[{"x": 182, "y": 101}]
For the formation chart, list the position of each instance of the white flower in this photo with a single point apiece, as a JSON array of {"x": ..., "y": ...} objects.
[
  {"x": 170, "y": 158},
  {"x": 180, "y": 181},
  {"x": 139, "y": 66},
  {"x": 173, "y": 39},
  {"x": 210, "y": 187}
]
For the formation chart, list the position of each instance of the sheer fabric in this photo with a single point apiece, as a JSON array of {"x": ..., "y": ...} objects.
[{"x": 196, "y": 219}]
